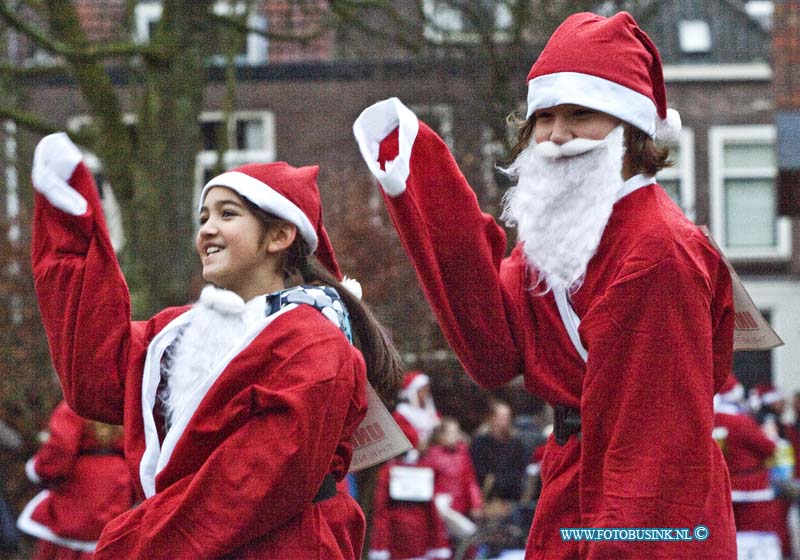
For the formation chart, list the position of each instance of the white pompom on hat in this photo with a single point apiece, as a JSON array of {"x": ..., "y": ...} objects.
[
  {"x": 606, "y": 64},
  {"x": 287, "y": 192}
]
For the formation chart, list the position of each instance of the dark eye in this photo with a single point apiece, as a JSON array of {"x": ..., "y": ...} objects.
[
  {"x": 203, "y": 219},
  {"x": 543, "y": 115},
  {"x": 584, "y": 112},
  {"x": 228, "y": 213}
]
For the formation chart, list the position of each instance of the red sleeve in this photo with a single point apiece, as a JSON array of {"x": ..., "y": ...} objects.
[
  {"x": 56, "y": 458},
  {"x": 750, "y": 436},
  {"x": 455, "y": 249},
  {"x": 84, "y": 302},
  {"x": 266, "y": 472},
  {"x": 647, "y": 401},
  {"x": 438, "y": 544}
]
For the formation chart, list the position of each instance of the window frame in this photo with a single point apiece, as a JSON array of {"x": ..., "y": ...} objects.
[
  {"x": 145, "y": 13},
  {"x": 719, "y": 137},
  {"x": 442, "y": 111},
  {"x": 235, "y": 157}
]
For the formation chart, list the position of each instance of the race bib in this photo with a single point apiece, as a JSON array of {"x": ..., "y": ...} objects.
[{"x": 411, "y": 484}]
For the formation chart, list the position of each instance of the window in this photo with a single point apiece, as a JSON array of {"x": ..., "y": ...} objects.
[
  {"x": 250, "y": 136},
  {"x": 744, "y": 218},
  {"x": 439, "y": 117},
  {"x": 678, "y": 180},
  {"x": 694, "y": 36},
  {"x": 754, "y": 367},
  {"x": 253, "y": 49},
  {"x": 146, "y": 16},
  {"x": 452, "y": 22}
]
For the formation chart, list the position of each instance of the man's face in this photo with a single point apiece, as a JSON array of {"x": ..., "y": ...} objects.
[
  {"x": 501, "y": 421},
  {"x": 422, "y": 395},
  {"x": 563, "y": 123}
]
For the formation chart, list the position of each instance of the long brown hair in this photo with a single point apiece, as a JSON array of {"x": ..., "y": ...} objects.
[{"x": 299, "y": 266}]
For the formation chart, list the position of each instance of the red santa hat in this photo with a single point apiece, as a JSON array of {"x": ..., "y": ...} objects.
[
  {"x": 765, "y": 394},
  {"x": 413, "y": 381},
  {"x": 287, "y": 192},
  {"x": 731, "y": 391},
  {"x": 606, "y": 64}
]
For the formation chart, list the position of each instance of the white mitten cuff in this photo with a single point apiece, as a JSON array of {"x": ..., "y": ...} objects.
[
  {"x": 373, "y": 125},
  {"x": 54, "y": 162}
]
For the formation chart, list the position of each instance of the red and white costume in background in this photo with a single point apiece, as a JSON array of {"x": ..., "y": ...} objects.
[
  {"x": 746, "y": 449},
  {"x": 88, "y": 484},
  {"x": 653, "y": 318},
  {"x": 405, "y": 530},
  {"x": 422, "y": 418},
  {"x": 236, "y": 473}
]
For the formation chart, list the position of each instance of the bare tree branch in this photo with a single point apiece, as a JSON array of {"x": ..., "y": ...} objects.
[
  {"x": 241, "y": 25},
  {"x": 73, "y": 53},
  {"x": 35, "y": 124},
  {"x": 17, "y": 72},
  {"x": 350, "y": 13}
]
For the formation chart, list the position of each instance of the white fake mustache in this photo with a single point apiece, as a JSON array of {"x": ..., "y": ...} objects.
[{"x": 576, "y": 147}]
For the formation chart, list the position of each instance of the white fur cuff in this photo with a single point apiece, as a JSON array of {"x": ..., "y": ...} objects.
[
  {"x": 30, "y": 471},
  {"x": 54, "y": 162},
  {"x": 372, "y": 126}
]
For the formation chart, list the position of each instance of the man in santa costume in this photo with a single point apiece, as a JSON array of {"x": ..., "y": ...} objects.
[
  {"x": 416, "y": 409},
  {"x": 238, "y": 410},
  {"x": 613, "y": 306}
]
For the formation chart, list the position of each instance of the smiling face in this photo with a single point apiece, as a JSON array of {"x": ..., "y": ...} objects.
[
  {"x": 235, "y": 250},
  {"x": 563, "y": 123}
]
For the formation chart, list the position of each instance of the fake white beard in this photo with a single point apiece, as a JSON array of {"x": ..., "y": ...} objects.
[
  {"x": 218, "y": 323},
  {"x": 561, "y": 204},
  {"x": 423, "y": 419}
]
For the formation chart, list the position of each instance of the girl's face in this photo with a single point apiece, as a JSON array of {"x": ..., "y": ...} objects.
[
  {"x": 563, "y": 123},
  {"x": 234, "y": 248}
]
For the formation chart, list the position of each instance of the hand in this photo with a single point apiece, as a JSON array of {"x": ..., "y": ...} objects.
[{"x": 54, "y": 161}]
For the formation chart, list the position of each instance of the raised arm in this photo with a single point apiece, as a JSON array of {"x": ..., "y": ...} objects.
[
  {"x": 456, "y": 249},
  {"x": 83, "y": 298}
]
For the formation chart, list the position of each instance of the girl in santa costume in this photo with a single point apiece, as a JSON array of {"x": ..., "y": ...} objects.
[
  {"x": 238, "y": 410},
  {"x": 87, "y": 484},
  {"x": 613, "y": 306}
]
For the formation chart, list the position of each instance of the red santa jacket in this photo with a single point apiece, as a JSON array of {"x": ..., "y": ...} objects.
[
  {"x": 87, "y": 483},
  {"x": 403, "y": 529},
  {"x": 237, "y": 472},
  {"x": 656, "y": 317},
  {"x": 746, "y": 449},
  {"x": 455, "y": 475}
]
